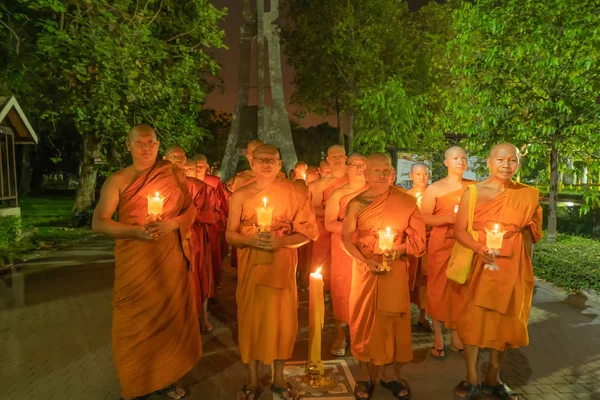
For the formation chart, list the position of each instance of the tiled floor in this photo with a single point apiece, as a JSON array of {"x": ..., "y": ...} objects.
[{"x": 55, "y": 318}]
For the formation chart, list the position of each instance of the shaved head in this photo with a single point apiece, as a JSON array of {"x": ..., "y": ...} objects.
[
  {"x": 140, "y": 130},
  {"x": 266, "y": 162},
  {"x": 379, "y": 158},
  {"x": 201, "y": 157},
  {"x": 301, "y": 164},
  {"x": 453, "y": 151},
  {"x": 505, "y": 147},
  {"x": 253, "y": 145},
  {"x": 335, "y": 149},
  {"x": 190, "y": 168},
  {"x": 174, "y": 149},
  {"x": 379, "y": 171},
  {"x": 356, "y": 157},
  {"x": 418, "y": 166},
  {"x": 323, "y": 164},
  {"x": 504, "y": 161},
  {"x": 266, "y": 149}
]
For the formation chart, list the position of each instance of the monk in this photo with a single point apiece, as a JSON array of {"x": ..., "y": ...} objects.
[
  {"x": 320, "y": 190},
  {"x": 176, "y": 155},
  {"x": 312, "y": 174},
  {"x": 155, "y": 332},
  {"x": 266, "y": 293},
  {"x": 241, "y": 179},
  {"x": 207, "y": 216},
  {"x": 341, "y": 263},
  {"x": 438, "y": 207},
  {"x": 498, "y": 300},
  {"x": 218, "y": 245},
  {"x": 380, "y": 318},
  {"x": 324, "y": 168},
  {"x": 300, "y": 170},
  {"x": 419, "y": 175}
]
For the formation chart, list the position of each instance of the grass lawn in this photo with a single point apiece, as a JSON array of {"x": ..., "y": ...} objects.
[{"x": 572, "y": 263}]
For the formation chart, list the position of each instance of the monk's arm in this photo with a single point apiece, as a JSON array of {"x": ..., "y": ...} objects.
[
  {"x": 415, "y": 235},
  {"x": 349, "y": 226},
  {"x": 294, "y": 241},
  {"x": 317, "y": 199},
  {"x": 428, "y": 206},
  {"x": 462, "y": 220},
  {"x": 102, "y": 221},
  {"x": 332, "y": 212}
]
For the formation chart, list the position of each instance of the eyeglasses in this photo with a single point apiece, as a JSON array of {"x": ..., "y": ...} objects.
[
  {"x": 266, "y": 160},
  {"x": 145, "y": 145}
]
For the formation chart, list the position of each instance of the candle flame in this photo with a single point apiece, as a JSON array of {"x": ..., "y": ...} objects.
[
  {"x": 496, "y": 227},
  {"x": 156, "y": 194},
  {"x": 265, "y": 201},
  {"x": 388, "y": 230},
  {"x": 419, "y": 194},
  {"x": 318, "y": 271}
]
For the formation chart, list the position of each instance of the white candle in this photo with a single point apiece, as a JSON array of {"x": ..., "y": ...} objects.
[
  {"x": 316, "y": 317},
  {"x": 264, "y": 215},
  {"x": 155, "y": 205},
  {"x": 386, "y": 239},
  {"x": 493, "y": 238},
  {"x": 419, "y": 197},
  {"x": 456, "y": 207}
]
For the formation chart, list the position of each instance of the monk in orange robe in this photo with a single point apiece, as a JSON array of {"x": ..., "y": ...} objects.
[
  {"x": 207, "y": 215},
  {"x": 218, "y": 244},
  {"x": 266, "y": 293},
  {"x": 300, "y": 170},
  {"x": 312, "y": 174},
  {"x": 380, "y": 329},
  {"x": 320, "y": 190},
  {"x": 155, "y": 332},
  {"x": 341, "y": 263},
  {"x": 324, "y": 168},
  {"x": 419, "y": 174},
  {"x": 500, "y": 288},
  {"x": 439, "y": 207}
]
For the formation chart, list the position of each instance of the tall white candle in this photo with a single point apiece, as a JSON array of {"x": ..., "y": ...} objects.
[{"x": 155, "y": 204}]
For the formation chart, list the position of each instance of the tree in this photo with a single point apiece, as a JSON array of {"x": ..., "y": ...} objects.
[
  {"x": 340, "y": 48},
  {"x": 107, "y": 65},
  {"x": 529, "y": 73}
]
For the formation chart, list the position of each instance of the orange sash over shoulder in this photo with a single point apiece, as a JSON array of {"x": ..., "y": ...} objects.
[{"x": 155, "y": 333}]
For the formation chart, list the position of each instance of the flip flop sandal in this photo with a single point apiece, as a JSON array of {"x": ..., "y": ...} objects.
[
  {"x": 461, "y": 351},
  {"x": 281, "y": 390},
  {"x": 441, "y": 353},
  {"x": 471, "y": 390},
  {"x": 395, "y": 387},
  {"x": 501, "y": 391},
  {"x": 247, "y": 393},
  {"x": 364, "y": 387},
  {"x": 426, "y": 326},
  {"x": 341, "y": 351},
  {"x": 171, "y": 389}
]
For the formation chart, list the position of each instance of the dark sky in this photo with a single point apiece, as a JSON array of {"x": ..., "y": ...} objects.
[{"x": 229, "y": 60}]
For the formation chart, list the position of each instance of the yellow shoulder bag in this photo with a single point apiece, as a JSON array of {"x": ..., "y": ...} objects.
[{"x": 459, "y": 266}]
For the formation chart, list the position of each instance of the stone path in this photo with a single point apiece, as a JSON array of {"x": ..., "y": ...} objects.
[{"x": 55, "y": 320}]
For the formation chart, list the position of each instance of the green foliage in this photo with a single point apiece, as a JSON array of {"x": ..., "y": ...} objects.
[
  {"x": 571, "y": 263},
  {"x": 591, "y": 201},
  {"x": 10, "y": 230}
]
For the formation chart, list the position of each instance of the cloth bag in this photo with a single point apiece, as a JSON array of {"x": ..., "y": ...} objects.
[{"x": 460, "y": 264}]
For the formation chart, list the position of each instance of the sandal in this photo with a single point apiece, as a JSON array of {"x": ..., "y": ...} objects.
[
  {"x": 339, "y": 351},
  {"x": 282, "y": 390},
  {"x": 396, "y": 387},
  {"x": 248, "y": 392},
  {"x": 461, "y": 351},
  {"x": 426, "y": 326},
  {"x": 364, "y": 387},
  {"x": 471, "y": 390},
  {"x": 501, "y": 391},
  {"x": 441, "y": 353},
  {"x": 172, "y": 389}
]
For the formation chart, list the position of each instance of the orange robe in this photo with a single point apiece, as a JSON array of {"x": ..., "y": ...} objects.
[
  {"x": 321, "y": 249},
  {"x": 155, "y": 331},
  {"x": 202, "y": 270},
  {"x": 380, "y": 318},
  {"x": 498, "y": 302},
  {"x": 444, "y": 297},
  {"x": 341, "y": 267},
  {"x": 266, "y": 294},
  {"x": 418, "y": 278},
  {"x": 223, "y": 206}
]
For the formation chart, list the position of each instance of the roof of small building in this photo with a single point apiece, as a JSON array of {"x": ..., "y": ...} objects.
[{"x": 12, "y": 115}]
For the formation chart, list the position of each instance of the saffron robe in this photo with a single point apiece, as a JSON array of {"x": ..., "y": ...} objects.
[
  {"x": 444, "y": 297},
  {"x": 418, "y": 278},
  {"x": 341, "y": 267},
  {"x": 498, "y": 302},
  {"x": 223, "y": 207},
  {"x": 155, "y": 331},
  {"x": 321, "y": 249},
  {"x": 266, "y": 292},
  {"x": 380, "y": 320},
  {"x": 202, "y": 272}
]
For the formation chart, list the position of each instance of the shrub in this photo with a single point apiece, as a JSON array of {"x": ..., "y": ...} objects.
[
  {"x": 572, "y": 263},
  {"x": 10, "y": 230}
]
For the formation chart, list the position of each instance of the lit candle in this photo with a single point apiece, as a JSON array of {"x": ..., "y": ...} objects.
[
  {"x": 386, "y": 239},
  {"x": 493, "y": 238},
  {"x": 264, "y": 215},
  {"x": 316, "y": 319},
  {"x": 303, "y": 176},
  {"x": 456, "y": 207},
  {"x": 155, "y": 205},
  {"x": 419, "y": 197}
]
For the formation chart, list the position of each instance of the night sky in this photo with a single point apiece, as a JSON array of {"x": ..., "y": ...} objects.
[{"x": 229, "y": 60}]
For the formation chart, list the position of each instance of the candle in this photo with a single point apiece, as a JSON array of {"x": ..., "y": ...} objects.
[
  {"x": 493, "y": 238},
  {"x": 419, "y": 197},
  {"x": 316, "y": 319},
  {"x": 456, "y": 207},
  {"x": 386, "y": 239},
  {"x": 303, "y": 176},
  {"x": 264, "y": 215},
  {"x": 155, "y": 205}
]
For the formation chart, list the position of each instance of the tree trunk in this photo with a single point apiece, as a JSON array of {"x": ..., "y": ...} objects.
[
  {"x": 553, "y": 199},
  {"x": 84, "y": 196},
  {"x": 25, "y": 181},
  {"x": 351, "y": 133},
  {"x": 341, "y": 138}
]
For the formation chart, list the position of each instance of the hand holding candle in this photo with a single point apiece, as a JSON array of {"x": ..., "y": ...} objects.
[
  {"x": 264, "y": 216},
  {"x": 386, "y": 243},
  {"x": 493, "y": 241}
]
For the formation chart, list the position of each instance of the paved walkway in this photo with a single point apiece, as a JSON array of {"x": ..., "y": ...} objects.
[{"x": 55, "y": 319}]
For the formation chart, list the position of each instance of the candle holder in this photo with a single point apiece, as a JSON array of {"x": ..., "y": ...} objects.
[
  {"x": 264, "y": 216},
  {"x": 493, "y": 241}
]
